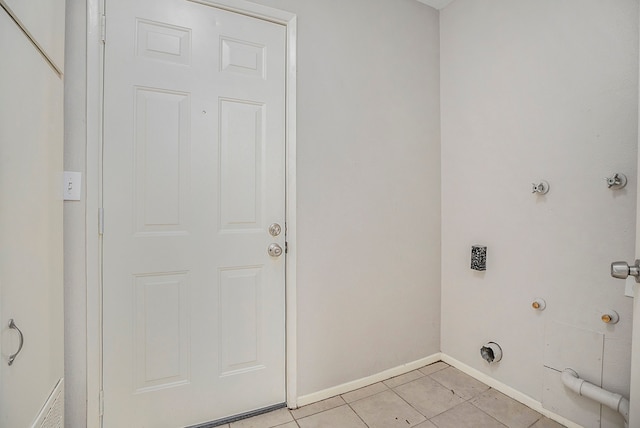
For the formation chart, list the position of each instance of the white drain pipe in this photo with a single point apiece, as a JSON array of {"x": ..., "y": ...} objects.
[{"x": 610, "y": 399}]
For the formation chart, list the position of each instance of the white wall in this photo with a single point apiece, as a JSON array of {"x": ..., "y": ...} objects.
[
  {"x": 368, "y": 187},
  {"x": 75, "y": 277},
  {"x": 539, "y": 89},
  {"x": 368, "y": 191}
]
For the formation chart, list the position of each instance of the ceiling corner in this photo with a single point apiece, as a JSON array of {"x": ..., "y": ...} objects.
[{"x": 436, "y": 4}]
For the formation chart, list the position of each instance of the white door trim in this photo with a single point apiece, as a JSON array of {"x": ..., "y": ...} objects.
[{"x": 95, "y": 79}]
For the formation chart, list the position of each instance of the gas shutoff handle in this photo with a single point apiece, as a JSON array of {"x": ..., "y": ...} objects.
[{"x": 622, "y": 270}]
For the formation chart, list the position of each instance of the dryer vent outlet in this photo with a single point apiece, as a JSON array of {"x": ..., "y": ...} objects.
[{"x": 491, "y": 352}]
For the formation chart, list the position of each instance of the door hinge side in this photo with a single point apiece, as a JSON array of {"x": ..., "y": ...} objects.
[
  {"x": 100, "y": 221},
  {"x": 103, "y": 28},
  {"x": 286, "y": 247},
  {"x": 101, "y": 399}
]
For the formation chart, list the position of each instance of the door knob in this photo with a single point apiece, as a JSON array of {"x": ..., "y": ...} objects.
[
  {"x": 622, "y": 270},
  {"x": 275, "y": 250}
]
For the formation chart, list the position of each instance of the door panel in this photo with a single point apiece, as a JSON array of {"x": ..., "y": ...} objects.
[
  {"x": 161, "y": 166},
  {"x": 31, "y": 285},
  {"x": 193, "y": 177}
]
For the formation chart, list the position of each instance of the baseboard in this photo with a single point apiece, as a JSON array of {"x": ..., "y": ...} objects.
[
  {"x": 508, "y": 391},
  {"x": 366, "y": 381}
]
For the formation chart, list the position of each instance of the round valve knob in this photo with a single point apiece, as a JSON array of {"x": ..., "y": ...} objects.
[{"x": 275, "y": 250}]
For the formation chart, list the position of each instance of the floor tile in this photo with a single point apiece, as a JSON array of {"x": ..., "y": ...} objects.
[
  {"x": 434, "y": 396},
  {"x": 267, "y": 420},
  {"x": 465, "y": 415},
  {"x": 462, "y": 384},
  {"x": 507, "y": 410},
  {"x": 318, "y": 407},
  {"x": 425, "y": 424},
  {"x": 361, "y": 393},
  {"x": 387, "y": 410},
  {"x": 292, "y": 424},
  {"x": 428, "y": 396},
  {"x": 402, "y": 379},
  {"x": 342, "y": 417},
  {"x": 545, "y": 422},
  {"x": 432, "y": 368}
]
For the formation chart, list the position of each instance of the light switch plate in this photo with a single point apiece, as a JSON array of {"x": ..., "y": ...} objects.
[{"x": 72, "y": 186}]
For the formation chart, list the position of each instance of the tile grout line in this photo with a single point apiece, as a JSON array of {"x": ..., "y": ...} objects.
[
  {"x": 536, "y": 421},
  {"x": 354, "y": 410},
  {"x": 357, "y": 414},
  {"x": 491, "y": 416},
  {"x": 409, "y": 404},
  {"x": 423, "y": 376},
  {"x": 398, "y": 395},
  {"x": 468, "y": 400},
  {"x": 380, "y": 382}
]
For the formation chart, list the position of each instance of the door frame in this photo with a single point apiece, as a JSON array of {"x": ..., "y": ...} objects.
[{"x": 94, "y": 111}]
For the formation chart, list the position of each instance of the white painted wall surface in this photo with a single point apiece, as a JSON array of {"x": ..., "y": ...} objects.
[
  {"x": 75, "y": 276},
  {"x": 368, "y": 187},
  {"x": 537, "y": 90},
  {"x": 368, "y": 191}
]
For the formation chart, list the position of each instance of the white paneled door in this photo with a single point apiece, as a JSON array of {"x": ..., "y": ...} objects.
[{"x": 193, "y": 178}]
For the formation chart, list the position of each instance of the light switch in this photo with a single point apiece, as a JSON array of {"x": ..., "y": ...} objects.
[{"x": 72, "y": 186}]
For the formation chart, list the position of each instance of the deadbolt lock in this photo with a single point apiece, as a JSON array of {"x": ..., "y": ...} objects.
[{"x": 275, "y": 229}]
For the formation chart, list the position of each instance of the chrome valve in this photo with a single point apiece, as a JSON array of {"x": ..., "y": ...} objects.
[
  {"x": 616, "y": 181},
  {"x": 542, "y": 188}
]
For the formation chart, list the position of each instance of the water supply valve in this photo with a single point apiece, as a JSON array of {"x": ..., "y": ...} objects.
[
  {"x": 541, "y": 188},
  {"x": 610, "y": 317},
  {"x": 539, "y": 304},
  {"x": 616, "y": 181}
]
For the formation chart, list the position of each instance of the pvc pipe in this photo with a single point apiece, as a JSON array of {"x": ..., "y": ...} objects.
[{"x": 610, "y": 399}]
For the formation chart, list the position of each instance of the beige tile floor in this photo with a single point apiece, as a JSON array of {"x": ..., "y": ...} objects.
[{"x": 436, "y": 395}]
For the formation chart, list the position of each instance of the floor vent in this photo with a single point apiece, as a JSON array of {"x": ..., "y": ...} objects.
[{"x": 52, "y": 414}]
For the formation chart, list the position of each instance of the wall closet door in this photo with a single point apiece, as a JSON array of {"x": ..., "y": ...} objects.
[{"x": 31, "y": 279}]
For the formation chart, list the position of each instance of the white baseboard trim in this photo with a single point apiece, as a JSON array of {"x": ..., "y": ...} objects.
[
  {"x": 508, "y": 391},
  {"x": 366, "y": 381}
]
